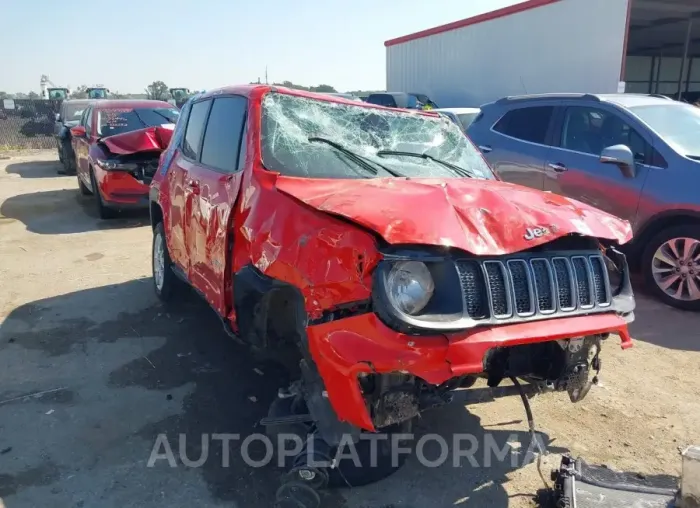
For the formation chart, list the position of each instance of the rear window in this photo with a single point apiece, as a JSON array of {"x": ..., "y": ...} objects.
[
  {"x": 121, "y": 120},
  {"x": 528, "y": 124},
  {"x": 72, "y": 112}
]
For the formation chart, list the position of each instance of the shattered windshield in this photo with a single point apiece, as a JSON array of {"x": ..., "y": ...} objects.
[{"x": 321, "y": 139}]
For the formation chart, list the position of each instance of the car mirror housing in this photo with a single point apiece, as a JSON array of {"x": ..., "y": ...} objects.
[{"x": 621, "y": 156}]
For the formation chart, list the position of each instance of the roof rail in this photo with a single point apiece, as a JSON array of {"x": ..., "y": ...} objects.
[
  {"x": 659, "y": 96},
  {"x": 582, "y": 96}
]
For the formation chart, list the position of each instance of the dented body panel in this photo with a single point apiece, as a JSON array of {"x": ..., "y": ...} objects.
[
  {"x": 481, "y": 217},
  {"x": 150, "y": 139},
  {"x": 323, "y": 239},
  {"x": 363, "y": 344}
]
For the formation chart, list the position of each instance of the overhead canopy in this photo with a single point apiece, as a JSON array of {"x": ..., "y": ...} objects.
[{"x": 659, "y": 27}]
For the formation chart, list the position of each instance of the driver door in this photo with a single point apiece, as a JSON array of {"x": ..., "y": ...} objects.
[{"x": 574, "y": 169}]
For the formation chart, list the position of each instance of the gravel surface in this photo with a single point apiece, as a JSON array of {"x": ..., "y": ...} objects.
[{"x": 93, "y": 370}]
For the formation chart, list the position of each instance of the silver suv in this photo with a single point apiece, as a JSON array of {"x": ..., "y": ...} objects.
[{"x": 635, "y": 156}]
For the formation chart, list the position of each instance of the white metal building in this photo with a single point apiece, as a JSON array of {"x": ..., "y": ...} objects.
[{"x": 540, "y": 46}]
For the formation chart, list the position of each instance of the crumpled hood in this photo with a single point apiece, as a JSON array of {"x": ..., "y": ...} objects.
[
  {"x": 484, "y": 217},
  {"x": 142, "y": 140}
]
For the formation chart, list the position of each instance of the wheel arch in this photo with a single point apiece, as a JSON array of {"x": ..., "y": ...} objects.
[
  {"x": 269, "y": 313},
  {"x": 658, "y": 223},
  {"x": 155, "y": 213}
]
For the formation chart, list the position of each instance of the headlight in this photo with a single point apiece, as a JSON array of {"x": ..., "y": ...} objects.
[
  {"x": 410, "y": 286},
  {"x": 114, "y": 165}
]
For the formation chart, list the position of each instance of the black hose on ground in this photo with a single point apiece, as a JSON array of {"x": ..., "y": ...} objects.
[{"x": 531, "y": 425}]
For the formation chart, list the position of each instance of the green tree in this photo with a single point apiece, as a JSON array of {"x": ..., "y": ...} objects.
[
  {"x": 157, "y": 91},
  {"x": 4, "y": 95},
  {"x": 323, "y": 89},
  {"x": 33, "y": 95},
  {"x": 79, "y": 93}
]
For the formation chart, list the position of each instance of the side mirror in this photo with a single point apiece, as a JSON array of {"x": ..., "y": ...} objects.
[
  {"x": 78, "y": 131},
  {"x": 621, "y": 156}
]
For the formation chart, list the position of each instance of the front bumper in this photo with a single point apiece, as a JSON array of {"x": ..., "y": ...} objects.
[
  {"x": 344, "y": 348},
  {"x": 122, "y": 190}
]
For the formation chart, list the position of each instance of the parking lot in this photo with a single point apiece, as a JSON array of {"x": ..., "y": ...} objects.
[{"x": 93, "y": 370}]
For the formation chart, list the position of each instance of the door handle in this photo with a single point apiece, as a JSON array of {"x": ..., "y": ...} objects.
[
  {"x": 559, "y": 168},
  {"x": 485, "y": 148}
]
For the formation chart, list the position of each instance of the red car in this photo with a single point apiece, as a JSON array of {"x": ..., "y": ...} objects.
[
  {"x": 375, "y": 253},
  {"x": 117, "y": 144}
]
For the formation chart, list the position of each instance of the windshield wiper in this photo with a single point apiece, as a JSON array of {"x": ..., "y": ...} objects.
[
  {"x": 456, "y": 169},
  {"x": 366, "y": 163}
]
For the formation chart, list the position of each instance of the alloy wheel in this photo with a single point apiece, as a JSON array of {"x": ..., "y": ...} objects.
[{"x": 676, "y": 268}]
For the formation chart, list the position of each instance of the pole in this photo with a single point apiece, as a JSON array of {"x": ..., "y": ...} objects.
[
  {"x": 686, "y": 48},
  {"x": 650, "y": 87}
]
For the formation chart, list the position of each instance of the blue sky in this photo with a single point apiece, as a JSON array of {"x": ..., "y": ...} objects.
[{"x": 126, "y": 45}]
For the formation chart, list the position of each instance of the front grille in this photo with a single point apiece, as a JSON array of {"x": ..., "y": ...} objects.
[{"x": 526, "y": 287}]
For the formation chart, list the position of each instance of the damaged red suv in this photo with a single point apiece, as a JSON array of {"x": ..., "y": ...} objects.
[
  {"x": 117, "y": 144},
  {"x": 374, "y": 252}
]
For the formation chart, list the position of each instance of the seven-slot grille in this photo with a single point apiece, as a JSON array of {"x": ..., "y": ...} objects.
[{"x": 522, "y": 288}]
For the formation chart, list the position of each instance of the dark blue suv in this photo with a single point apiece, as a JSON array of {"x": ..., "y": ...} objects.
[{"x": 634, "y": 156}]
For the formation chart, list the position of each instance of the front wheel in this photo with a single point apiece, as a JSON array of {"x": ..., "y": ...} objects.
[
  {"x": 102, "y": 210},
  {"x": 84, "y": 191},
  {"x": 165, "y": 282},
  {"x": 671, "y": 267}
]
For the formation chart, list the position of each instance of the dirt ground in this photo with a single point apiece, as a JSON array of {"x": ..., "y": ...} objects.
[{"x": 93, "y": 369}]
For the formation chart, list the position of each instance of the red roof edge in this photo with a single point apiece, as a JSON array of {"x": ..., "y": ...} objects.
[{"x": 488, "y": 16}]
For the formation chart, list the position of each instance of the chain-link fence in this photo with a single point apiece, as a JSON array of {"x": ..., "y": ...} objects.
[{"x": 27, "y": 123}]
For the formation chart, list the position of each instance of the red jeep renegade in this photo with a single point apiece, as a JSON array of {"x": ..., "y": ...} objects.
[{"x": 374, "y": 251}]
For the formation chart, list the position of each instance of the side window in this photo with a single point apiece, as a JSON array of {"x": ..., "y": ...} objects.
[
  {"x": 528, "y": 124},
  {"x": 88, "y": 122},
  {"x": 195, "y": 129},
  {"x": 590, "y": 130},
  {"x": 222, "y": 138},
  {"x": 383, "y": 100}
]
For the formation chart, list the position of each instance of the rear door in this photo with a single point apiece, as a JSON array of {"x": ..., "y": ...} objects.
[
  {"x": 213, "y": 186},
  {"x": 177, "y": 182},
  {"x": 574, "y": 168},
  {"x": 81, "y": 147},
  {"x": 517, "y": 145}
]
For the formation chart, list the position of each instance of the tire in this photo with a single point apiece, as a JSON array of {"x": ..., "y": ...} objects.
[
  {"x": 84, "y": 191},
  {"x": 61, "y": 169},
  {"x": 346, "y": 473},
  {"x": 167, "y": 286},
  {"x": 102, "y": 210},
  {"x": 68, "y": 159},
  {"x": 671, "y": 267}
]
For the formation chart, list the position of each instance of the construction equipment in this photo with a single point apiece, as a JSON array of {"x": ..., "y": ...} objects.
[
  {"x": 97, "y": 92},
  {"x": 55, "y": 92}
]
